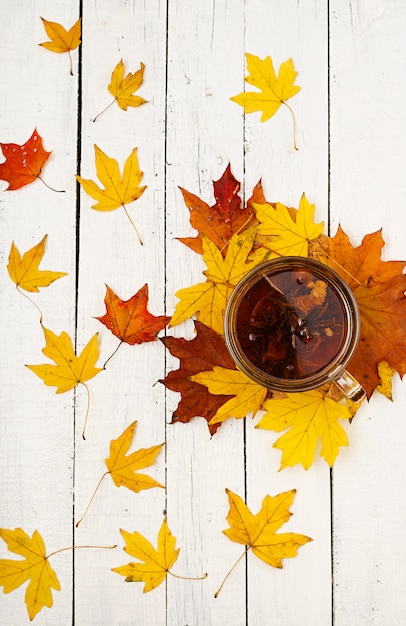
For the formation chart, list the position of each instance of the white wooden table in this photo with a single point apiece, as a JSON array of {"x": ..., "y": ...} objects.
[{"x": 351, "y": 131}]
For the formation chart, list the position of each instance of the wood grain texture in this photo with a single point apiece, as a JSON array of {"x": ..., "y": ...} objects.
[{"x": 350, "y": 122}]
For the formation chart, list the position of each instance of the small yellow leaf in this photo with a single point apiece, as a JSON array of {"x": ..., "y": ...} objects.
[
  {"x": 153, "y": 564},
  {"x": 62, "y": 40},
  {"x": 68, "y": 370},
  {"x": 24, "y": 272},
  {"x": 385, "y": 373},
  {"x": 34, "y": 567},
  {"x": 122, "y": 88},
  {"x": 307, "y": 417},
  {"x": 248, "y": 395}
]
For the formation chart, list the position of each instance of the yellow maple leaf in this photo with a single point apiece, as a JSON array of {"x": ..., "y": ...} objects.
[
  {"x": 259, "y": 532},
  {"x": 209, "y": 299},
  {"x": 122, "y": 88},
  {"x": 274, "y": 90},
  {"x": 153, "y": 564},
  {"x": 281, "y": 235},
  {"x": 307, "y": 417},
  {"x": 62, "y": 40},
  {"x": 118, "y": 190},
  {"x": 248, "y": 395},
  {"x": 68, "y": 369},
  {"x": 385, "y": 373},
  {"x": 34, "y": 567},
  {"x": 123, "y": 467},
  {"x": 23, "y": 270}
]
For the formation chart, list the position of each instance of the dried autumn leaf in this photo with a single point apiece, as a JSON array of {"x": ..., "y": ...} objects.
[
  {"x": 248, "y": 395},
  {"x": 118, "y": 190},
  {"x": 23, "y": 270},
  {"x": 209, "y": 299},
  {"x": 23, "y": 163},
  {"x": 385, "y": 373},
  {"x": 61, "y": 40},
  {"x": 153, "y": 564},
  {"x": 225, "y": 218},
  {"x": 201, "y": 354},
  {"x": 122, "y": 88},
  {"x": 273, "y": 90},
  {"x": 379, "y": 288},
  {"x": 259, "y": 532},
  {"x": 34, "y": 567},
  {"x": 308, "y": 417},
  {"x": 124, "y": 468},
  {"x": 284, "y": 232},
  {"x": 129, "y": 320}
]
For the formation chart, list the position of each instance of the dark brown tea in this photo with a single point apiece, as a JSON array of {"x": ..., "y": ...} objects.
[{"x": 291, "y": 324}]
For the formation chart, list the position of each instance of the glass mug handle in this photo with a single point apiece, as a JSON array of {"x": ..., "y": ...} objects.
[{"x": 350, "y": 387}]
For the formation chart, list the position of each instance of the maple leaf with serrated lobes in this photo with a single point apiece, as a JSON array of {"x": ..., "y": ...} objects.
[
  {"x": 274, "y": 90},
  {"x": 34, "y": 567},
  {"x": 379, "y": 289},
  {"x": 225, "y": 218},
  {"x": 129, "y": 320},
  {"x": 285, "y": 232},
  {"x": 208, "y": 299},
  {"x": 24, "y": 162},
  {"x": 122, "y": 88},
  {"x": 308, "y": 417},
  {"x": 200, "y": 354},
  {"x": 259, "y": 532},
  {"x": 248, "y": 396},
  {"x": 23, "y": 270},
  {"x": 123, "y": 467},
  {"x": 118, "y": 190},
  {"x": 62, "y": 40}
]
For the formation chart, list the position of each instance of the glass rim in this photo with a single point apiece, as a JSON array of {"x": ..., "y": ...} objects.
[{"x": 336, "y": 366}]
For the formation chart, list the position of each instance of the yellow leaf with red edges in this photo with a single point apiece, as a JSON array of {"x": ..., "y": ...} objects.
[
  {"x": 153, "y": 564},
  {"x": 33, "y": 567},
  {"x": 308, "y": 418},
  {"x": 68, "y": 370},
  {"x": 248, "y": 395},
  {"x": 24, "y": 272}
]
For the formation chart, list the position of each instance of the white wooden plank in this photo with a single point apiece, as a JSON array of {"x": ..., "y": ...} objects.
[
  {"x": 283, "y": 31},
  {"x": 368, "y": 125},
  {"x": 37, "y": 425},
  {"x": 204, "y": 134},
  {"x": 111, "y": 254}
]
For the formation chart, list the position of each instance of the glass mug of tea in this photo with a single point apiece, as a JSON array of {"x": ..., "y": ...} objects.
[{"x": 292, "y": 324}]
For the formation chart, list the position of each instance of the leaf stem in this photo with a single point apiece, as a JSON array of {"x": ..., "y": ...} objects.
[
  {"x": 133, "y": 225},
  {"x": 104, "y": 110},
  {"x": 112, "y": 354},
  {"x": 187, "y": 577},
  {"x": 70, "y": 63},
  {"x": 92, "y": 498},
  {"x": 32, "y": 302},
  {"x": 76, "y": 547},
  {"x": 230, "y": 571},
  {"x": 294, "y": 124},
  {"x": 87, "y": 408},
  {"x": 49, "y": 187}
]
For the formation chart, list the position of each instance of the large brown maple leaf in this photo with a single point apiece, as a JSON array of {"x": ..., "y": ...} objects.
[
  {"x": 379, "y": 287},
  {"x": 200, "y": 354},
  {"x": 23, "y": 163},
  {"x": 225, "y": 218}
]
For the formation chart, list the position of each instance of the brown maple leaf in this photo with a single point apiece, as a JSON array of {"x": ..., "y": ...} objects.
[
  {"x": 23, "y": 163},
  {"x": 379, "y": 287},
  {"x": 201, "y": 354},
  {"x": 129, "y": 320},
  {"x": 225, "y": 218}
]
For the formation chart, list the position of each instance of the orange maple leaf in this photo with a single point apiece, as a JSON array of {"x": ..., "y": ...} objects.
[
  {"x": 129, "y": 320},
  {"x": 379, "y": 287},
  {"x": 62, "y": 40},
  {"x": 23, "y": 163},
  {"x": 225, "y": 218}
]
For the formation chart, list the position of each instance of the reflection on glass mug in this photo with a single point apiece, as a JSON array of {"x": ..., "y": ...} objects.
[{"x": 292, "y": 324}]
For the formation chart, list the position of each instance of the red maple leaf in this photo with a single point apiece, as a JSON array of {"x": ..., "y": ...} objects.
[
  {"x": 225, "y": 218},
  {"x": 200, "y": 354},
  {"x": 24, "y": 163},
  {"x": 129, "y": 320}
]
